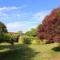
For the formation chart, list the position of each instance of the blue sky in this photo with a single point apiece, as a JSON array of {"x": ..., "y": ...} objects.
[{"x": 22, "y": 15}]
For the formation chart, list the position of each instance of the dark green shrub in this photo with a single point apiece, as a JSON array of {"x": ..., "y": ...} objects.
[
  {"x": 12, "y": 37},
  {"x": 9, "y": 37},
  {"x": 1, "y": 38},
  {"x": 26, "y": 40},
  {"x": 3, "y": 28}
]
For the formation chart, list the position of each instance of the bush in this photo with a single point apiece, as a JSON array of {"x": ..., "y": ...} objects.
[
  {"x": 1, "y": 38},
  {"x": 9, "y": 37},
  {"x": 14, "y": 36},
  {"x": 26, "y": 40},
  {"x": 35, "y": 40}
]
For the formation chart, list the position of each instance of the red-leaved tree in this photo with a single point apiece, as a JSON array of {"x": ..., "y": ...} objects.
[{"x": 50, "y": 27}]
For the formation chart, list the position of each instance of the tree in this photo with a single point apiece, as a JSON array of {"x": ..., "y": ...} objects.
[
  {"x": 50, "y": 27},
  {"x": 32, "y": 32},
  {"x": 3, "y": 28}
]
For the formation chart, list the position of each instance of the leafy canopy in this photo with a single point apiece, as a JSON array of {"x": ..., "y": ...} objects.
[{"x": 50, "y": 27}]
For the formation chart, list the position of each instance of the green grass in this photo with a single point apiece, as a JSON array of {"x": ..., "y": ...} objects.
[{"x": 29, "y": 52}]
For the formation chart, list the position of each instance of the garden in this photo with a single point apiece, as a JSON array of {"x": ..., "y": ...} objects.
[{"x": 41, "y": 43}]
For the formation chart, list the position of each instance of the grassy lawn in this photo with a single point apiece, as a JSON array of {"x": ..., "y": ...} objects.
[{"x": 29, "y": 52}]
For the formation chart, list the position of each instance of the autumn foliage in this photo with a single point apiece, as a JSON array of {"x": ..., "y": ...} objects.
[{"x": 50, "y": 27}]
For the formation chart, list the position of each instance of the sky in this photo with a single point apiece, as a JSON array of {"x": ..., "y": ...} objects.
[{"x": 22, "y": 15}]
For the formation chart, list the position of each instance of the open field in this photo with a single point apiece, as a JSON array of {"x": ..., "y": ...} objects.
[{"x": 29, "y": 52}]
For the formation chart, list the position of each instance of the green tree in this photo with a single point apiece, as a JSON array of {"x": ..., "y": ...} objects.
[
  {"x": 32, "y": 32},
  {"x": 3, "y": 28}
]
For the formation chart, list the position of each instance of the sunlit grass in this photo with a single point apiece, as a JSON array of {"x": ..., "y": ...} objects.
[{"x": 29, "y": 52}]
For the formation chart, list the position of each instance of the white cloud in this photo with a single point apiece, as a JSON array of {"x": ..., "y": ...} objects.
[
  {"x": 25, "y": 25},
  {"x": 8, "y": 8},
  {"x": 11, "y": 8},
  {"x": 15, "y": 26},
  {"x": 11, "y": 13},
  {"x": 19, "y": 26},
  {"x": 39, "y": 16},
  {"x": 21, "y": 21}
]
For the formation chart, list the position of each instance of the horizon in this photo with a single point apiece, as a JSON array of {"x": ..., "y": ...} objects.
[{"x": 23, "y": 15}]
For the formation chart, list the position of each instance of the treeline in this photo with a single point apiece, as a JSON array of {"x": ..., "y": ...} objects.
[
  {"x": 49, "y": 30},
  {"x": 6, "y": 36}
]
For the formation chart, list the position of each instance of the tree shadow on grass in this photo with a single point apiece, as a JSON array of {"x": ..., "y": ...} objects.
[
  {"x": 2, "y": 47},
  {"x": 19, "y": 52},
  {"x": 57, "y": 49},
  {"x": 9, "y": 46}
]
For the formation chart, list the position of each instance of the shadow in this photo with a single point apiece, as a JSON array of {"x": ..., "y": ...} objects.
[
  {"x": 9, "y": 46},
  {"x": 18, "y": 52},
  {"x": 57, "y": 49},
  {"x": 5, "y": 47}
]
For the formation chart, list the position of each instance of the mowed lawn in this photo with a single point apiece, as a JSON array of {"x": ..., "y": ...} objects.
[{"x": 29, "y": 52}]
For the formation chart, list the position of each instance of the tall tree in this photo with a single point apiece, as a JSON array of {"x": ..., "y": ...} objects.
[{"x": 50, "y": 27}]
